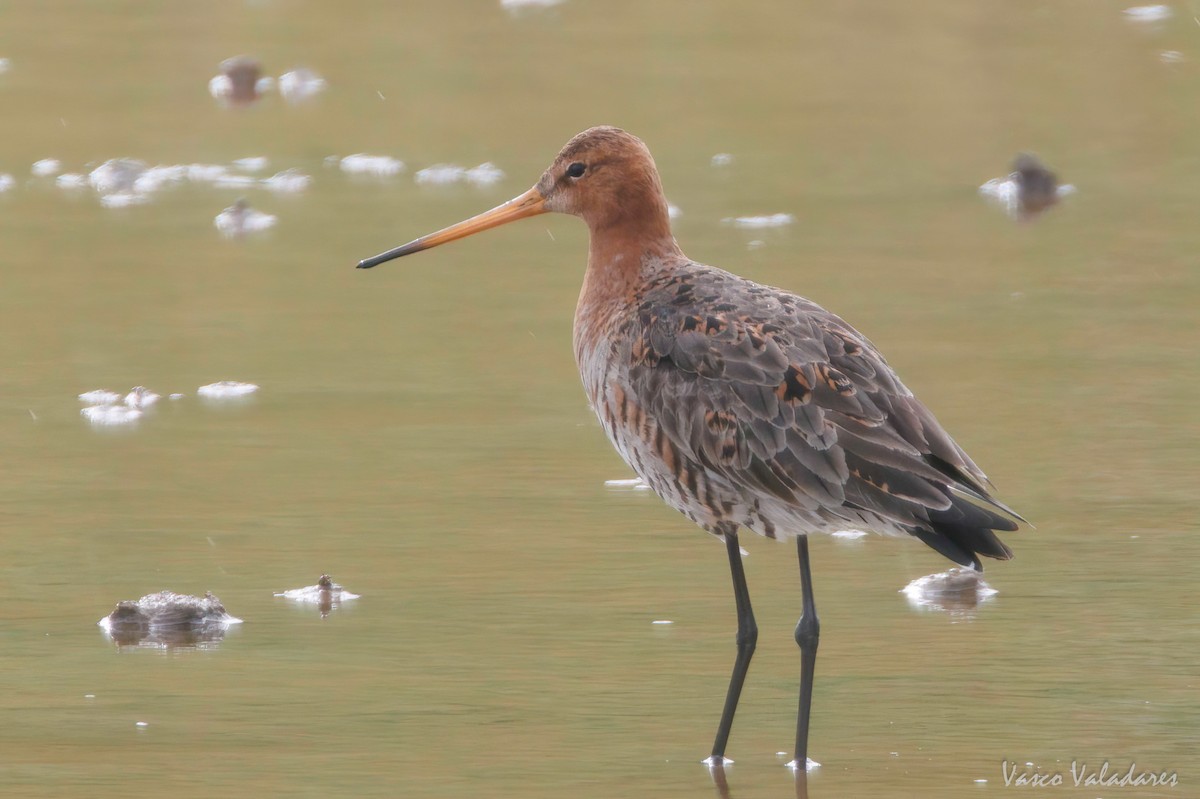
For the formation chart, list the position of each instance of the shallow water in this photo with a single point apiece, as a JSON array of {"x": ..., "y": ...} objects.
[{"x": 420, "y": 433}]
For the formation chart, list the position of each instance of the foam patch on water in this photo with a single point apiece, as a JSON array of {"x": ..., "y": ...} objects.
[
  {"x": 810, "y": 765},
  {"x": 111, "y": 415},
  {"x": 100, "y": 396},
  {"x": 519, "y": 5},
  {"x": 226, "y": 389},
  {"x": 760, "y": 222},
  {"x": 849, "y": 535},
  {"x": 255, "y": 163},
  {"x": 1153, "y": 13},
  {"x": 300, "y": 84},
  {"x": 631, "y": 484},
  {"x": 6, "y": 182},
  {"x": 485, "y": 174},
  {"x": 316, "y": 594},
  {"x": 141, "y": 397},
  {"x": 289, "y": 181},
  {"x": 958, "y": 589},
  {"x": 381, "y": 166},
  {"x": 5, "y": 65},
  {"x": 69, "y": 181},
  {"x": 46, "y": 167},
  {"x": 240, "y": 219},
  {"x": 722, "y": 159},
  {"x": 116, "y": 175}
]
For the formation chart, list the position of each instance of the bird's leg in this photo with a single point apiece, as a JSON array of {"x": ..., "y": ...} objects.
[
  {"x": 747, "y": 637},
  {"x": 808, "y": 633}
]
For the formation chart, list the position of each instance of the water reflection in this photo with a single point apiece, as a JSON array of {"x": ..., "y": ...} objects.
[{"x": 721, "y": 781}]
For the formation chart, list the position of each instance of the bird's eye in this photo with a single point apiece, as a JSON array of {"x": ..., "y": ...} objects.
[{"x": 576, "y": 169}]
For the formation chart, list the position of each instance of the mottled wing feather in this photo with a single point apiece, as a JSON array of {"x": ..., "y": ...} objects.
[{"x": 783, "y": 398}]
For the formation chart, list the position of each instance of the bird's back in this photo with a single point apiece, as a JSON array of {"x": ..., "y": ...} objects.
[{"x": 746, "y": 404}]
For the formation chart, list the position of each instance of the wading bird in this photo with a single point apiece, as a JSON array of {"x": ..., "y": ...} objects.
[{"x": 742, "y": 405}]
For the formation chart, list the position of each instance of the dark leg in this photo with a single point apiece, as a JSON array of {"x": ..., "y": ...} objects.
[
  {"x": 747, "y": 636},
  {"x": 808, "y": 633}
]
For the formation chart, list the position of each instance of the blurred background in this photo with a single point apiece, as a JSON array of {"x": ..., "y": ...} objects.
[{"x": 420, "y": 432}]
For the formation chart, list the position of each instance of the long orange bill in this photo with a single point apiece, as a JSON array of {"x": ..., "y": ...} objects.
[{"x": 531, "y": 203}]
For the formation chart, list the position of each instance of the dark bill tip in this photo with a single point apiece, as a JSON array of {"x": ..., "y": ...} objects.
[{"x": 398, "y": 252}]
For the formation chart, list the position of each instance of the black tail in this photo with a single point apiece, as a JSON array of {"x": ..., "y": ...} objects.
[{"x": 964, "y": 531}]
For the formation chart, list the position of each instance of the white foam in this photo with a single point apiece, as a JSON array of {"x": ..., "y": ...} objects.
[
  {"x": 383, "y": 166},
  {"x": 110, "y": 415},
  {"x": 141, "y": 397},
  {"x": 758, "y": 222},
  {"x": 289, "y": 181},
  {"x": 810, "y": 765},
  {"x": 1154, "y": 13},
  {"x": 226, "y": 389},
  {"x": 849, "y": 535},
  {"x": 440, "y": 174},
  {"x": 236, "y": 182},
  {"x": 5, "y": 65},
  {"x": 71, "y": 181},
  {"x": 517, "y": 5},
  {"x": 240, "y": 219},
  {"x": 255, "y": 163},
  {"x": 722, "y": 159},
  {"x": 300, "y": 84},
  {"x": 204, "y": 173},
  {"x": 959, "y": 589},
  {"x": 123, "y": 199},
  {"x": 631, "y": 484},
  {"x": 116, "y": 175},
  {"x": 46, "y": 167},
  {"x": 156, "y": 177},
  {"x": 6, "y": 182},
  {"x": 485, "y": 174},
  {"x": 1171, "y": 57},
  {"x": 315, "y": 594},
  {"x": 100, "y": 396}
]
